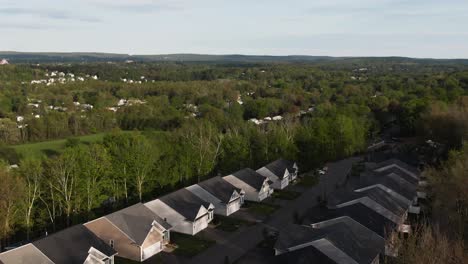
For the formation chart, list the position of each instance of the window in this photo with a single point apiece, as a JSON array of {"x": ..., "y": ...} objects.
[
  {"x": 111, "y": 243},
  {"x": 210, "y": 214}
]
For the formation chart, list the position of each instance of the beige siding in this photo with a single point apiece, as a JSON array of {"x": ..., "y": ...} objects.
[{"x": 105, "y": 230}]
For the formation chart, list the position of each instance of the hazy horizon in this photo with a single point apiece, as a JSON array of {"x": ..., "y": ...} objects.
[{"x": 337, "y": 28}]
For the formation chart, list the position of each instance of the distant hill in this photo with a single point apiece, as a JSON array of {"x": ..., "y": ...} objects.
[{"x": 53, "y": 57}]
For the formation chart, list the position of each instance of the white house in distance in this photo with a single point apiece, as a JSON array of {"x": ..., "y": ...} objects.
[
  {"x": 280, "y": 172},
  {"x": 4, "y": 62},
  {"x": 256, "y": 187},
  {"x": 184, "y": 211},
  {"x": 226, "y": 198}
]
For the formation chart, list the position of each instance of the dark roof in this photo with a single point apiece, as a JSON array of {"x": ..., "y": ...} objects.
[
  {"x": 219, "y": 188},
  {"x": 72, "y": 245},
  {"x": 399, "y": 163},
  {"x": 250, "y": 177},
  {"x": 400, "y": 173},
  {"x": 380, "y": 196},
  {"x": 305, "y": 255},
  {"x": 136, "y": 221},
  {"x": 185, "y": 203},
  {"x": 358, "y": 242},
  {"x": 279, "y": 166},
  {"x": 359, "y": 212},
  {"x": 400, "y": 186}
]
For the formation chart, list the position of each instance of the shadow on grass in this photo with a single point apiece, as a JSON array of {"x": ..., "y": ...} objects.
[
  {"x": 50, "y": 152},
  {"x": 189, "y": 246}
]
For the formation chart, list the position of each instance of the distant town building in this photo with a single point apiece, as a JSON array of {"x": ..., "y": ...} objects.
[{"x": 4, "y": 62}]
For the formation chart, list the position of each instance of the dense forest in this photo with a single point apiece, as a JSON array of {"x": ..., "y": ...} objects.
[{"x": 172, "y": 124}]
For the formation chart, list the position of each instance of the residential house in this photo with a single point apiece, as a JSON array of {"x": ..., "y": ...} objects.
[
  {"x": 396, "y": 163},
  {"x": 184, "y": 211},
  {"x": 392, "y": 184},
  {"x": 135, "y": 232},
  {"x": 304, "y": 255},
  {"x": 360, "y": 213},
  {"x": 75, "y": 245},
  {"x": 226, "y": 198},
  {"x": 342, "y": 242},
  {"x": 256, "y": 187},
  {"x": 24, "y": 255},
  {"x": 375, "y": 199},
  {"x": 280, "y": 172}
]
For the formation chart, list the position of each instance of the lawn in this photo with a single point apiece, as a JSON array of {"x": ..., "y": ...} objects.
[
  {"x": 286, "y": 195},
  {"x": 156, "y": 259},
  {"x": 357, "y": 169},
  {"x": 228, "y": 224},
  {"x": 189, "y": 246},
  {"x": 261, "y": 208},
  {"x": 52, "y": 147},
  {"x": 309, "y": 180}
]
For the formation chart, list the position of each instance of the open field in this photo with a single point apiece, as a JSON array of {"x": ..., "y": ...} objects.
[{"x": 48, "y": 148}]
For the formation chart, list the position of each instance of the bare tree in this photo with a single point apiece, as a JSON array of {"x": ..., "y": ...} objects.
[
  {"x": 428, "y": 245},
  {"x": 32, "y": 172},
  {"x": 206, "y": 143},
  {"x": 63, "y": 176}
]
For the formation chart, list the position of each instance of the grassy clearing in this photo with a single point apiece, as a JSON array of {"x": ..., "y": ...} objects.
[
  {"x": 357, "y": 169},
  {"x": 286, "y": 195},
  {"x": 52, "y": 147},
  {"x": 261, "y": 208},
  {"x": 156, "y": 259},
  {"x": 189, "y": 246},
  {"x": 229, "y": 224},
  {"x": 309, "y": 180}
]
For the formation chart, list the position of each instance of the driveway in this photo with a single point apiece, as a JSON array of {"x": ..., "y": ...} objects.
[{"x": 239, "y": 243}]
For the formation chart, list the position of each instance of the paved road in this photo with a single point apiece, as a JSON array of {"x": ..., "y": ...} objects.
[{"x": 236, "y": 245}]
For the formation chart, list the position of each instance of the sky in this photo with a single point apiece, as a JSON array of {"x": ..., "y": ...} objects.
[{"x": 412, "y": 28}]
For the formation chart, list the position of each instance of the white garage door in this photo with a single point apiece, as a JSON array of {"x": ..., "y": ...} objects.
[
  {"x": 233, "y": 207},
  {"x": 151, "y": 250}
]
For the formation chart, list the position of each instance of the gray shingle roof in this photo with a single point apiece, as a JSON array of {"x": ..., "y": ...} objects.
[
  {"x": 279, "y": 167},
  {"x": 357, "y": 241},
  {"x": 250, "y": 177},
  {"x": 185, "y": 203},
  {"x": 399, "y": 163},
  {"x": 402, "y": 187},
  {"x": 305, "y": 255},
  {"x": 24, "y": 255},
  {"x": 359, "y": 212},
  {"x": 400, "y": 173},
  {"x": 381, "y": 197},
  {"x": 219, "y": 188},
  {"x": 72, "y": 245},
  {"x": 136, "y": 221}
]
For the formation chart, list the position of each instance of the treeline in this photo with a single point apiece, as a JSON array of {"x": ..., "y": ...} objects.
[
  {"x": 442, "y": 237},
  {"x": 88, "y": 180},
  {"x": 170, "y": 90},
  {"x": 185, "y": 129}
]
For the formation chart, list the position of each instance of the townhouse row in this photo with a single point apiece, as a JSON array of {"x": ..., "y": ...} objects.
[
  {"x": 358, "y": 223},
  {"x": 142, "y": 230}
]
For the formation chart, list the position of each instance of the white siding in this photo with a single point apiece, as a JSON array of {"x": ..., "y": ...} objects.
[
  {"x": 200, "y": 224},
  {"x": 251, "y": 194}
]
